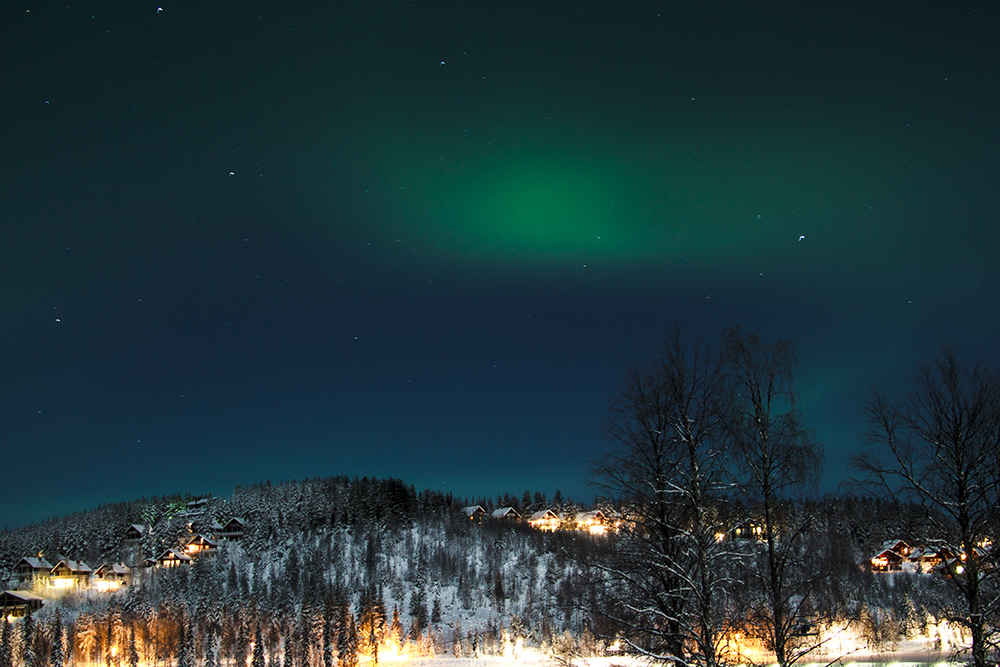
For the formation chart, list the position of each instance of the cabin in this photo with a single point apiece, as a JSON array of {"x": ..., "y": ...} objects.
[
  {"x": 545, "y": 520},
  {"x": 33, "y": 569},
  {"x": 111, "y": 576},
  {"x": 134, "y": 534},
  {"x": 925, "y": 559},
  {"x": 594, "y": 522},
  {"x": 891, "y": 556},
  {"x": 474, "y": 512},
  {"x": 199, "y": 544},
  {"x": 505, "y": 513},
  {"x": 233, "y": 530},
  {"x": 171, "y": 558},
  {"x": 17, "y": 604},
  {"x": 68, "y": 574},
  {"x": 196, "y": 507},
  {"x": 747, "y": 530}
]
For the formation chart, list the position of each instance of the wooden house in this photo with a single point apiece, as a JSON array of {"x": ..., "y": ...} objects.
[
  {"x": 67, "y": 574},
  {"x": 233, "y": 530},
  {"x": 594, "y": 522},
  {"x": 474, "y": 512},
  {"x": 545, "y": 520},
  {"x": 33, "y": 568},
  {"x": 111, "y": 576},
  {"x": 891, "y": 556},
  {"x": 747, "y": 530},
  {"x": 171, "y": 558},
  {"x": 505, "y": 513},
  {"x": 134, "y": 533},
  {"x": 17, "y": 604},
  {"x": 199, "y": 544}
]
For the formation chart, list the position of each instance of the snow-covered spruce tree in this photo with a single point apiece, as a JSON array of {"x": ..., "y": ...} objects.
[
  {"x": 669, "y": 579},
  {"x": 5, "y": 643},
  {"x": 57, "y": 656},
  {"x": 347, "y": 638},
  {"x": 132, "y": 654},
  {"x": 28, "y": 627},
  {"x": 939, "y": 448},
  {"x": 776, "y": 462},
  {"x": 258, "y": 648}
]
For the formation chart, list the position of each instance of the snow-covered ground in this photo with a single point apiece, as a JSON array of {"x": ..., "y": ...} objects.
[
  {"x": 528, "y": 657},
  {"x": 908, "y": 654}
]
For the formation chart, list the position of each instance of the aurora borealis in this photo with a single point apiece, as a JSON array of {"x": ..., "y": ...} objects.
[{"x": 250, "y": 241}]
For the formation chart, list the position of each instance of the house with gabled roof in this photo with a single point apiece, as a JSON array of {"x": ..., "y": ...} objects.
[
  {"x": 232, "y": 530},
  {"x": 594, "y": 522},
  {"x": 891, "y": 556},
  {"x": 171, "y": 558},
  {"x": 134, "y": 533},
  {"x": 68, "y": 573},
  {"x": 17, "y": 604},
  {"x": 199, "y": 544},
  {"x": 474, "y": 512},
  {"x": 505, "y": 513},
  {"x": 545, "y": 520},
  {"x": 111, "y": 576},
  {"x": 33, "y": 568}
]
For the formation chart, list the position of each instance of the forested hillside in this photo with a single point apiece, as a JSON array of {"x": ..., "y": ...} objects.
[{"x": 332, "y": 569}]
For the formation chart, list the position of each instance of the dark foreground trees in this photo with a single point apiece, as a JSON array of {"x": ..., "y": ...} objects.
[
  {"x": 669, "y": 469},
  {"x": 704, "y": 441},
  {"x": 774, "y": 461},
  {"x": 939, "y": 447}
]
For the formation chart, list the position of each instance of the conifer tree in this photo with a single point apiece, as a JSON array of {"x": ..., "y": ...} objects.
[
  {"x": 305, "y": 639},
  {"x": 5, "y": 653},
  {"x": 183, "y": 659},
  {"x": 396, "y": 629},
  {"x": 258, "y": 648},
  {"x": 133, "y": 654},
  {"x": 240, "y": 652},
  {"x": 28, "y": 658},
  {"x": 328, "y": 640},
  {"x": 58, "y": 656},
  {"x": 347, "y": 639},
  {"x": 436, "y": 610}
]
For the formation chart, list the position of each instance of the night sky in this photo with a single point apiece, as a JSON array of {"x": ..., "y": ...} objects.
[{"x": 248, "y": 240}]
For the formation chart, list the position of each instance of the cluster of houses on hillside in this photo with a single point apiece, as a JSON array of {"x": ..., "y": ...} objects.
[
  {"x": 900, "y": 556},
  {"x": 35, "y": 578},
  {"x": 594, "y": 522}
]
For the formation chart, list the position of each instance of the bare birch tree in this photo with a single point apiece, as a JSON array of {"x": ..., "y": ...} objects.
[
  {"x": 940, "y": 447},
  {"x": 775, "y": 460},
  {"x": 668, "y": 467}
]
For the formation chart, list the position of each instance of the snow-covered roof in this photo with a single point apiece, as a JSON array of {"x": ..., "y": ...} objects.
[
  {"x": 170, "y": 554},
  {"x": 74, "y": 566},
  {"x": 36, "y": 563},
  {"x": 504, "y": 512},
  {"x": 473, "y": 509},
  {"x": 106, "y": 569},
  {"x": 201, "y": 539},
  {"x": 544, "y": 514},
  {"x": 24, "y": 595}
]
